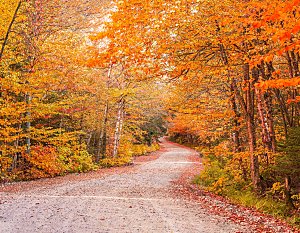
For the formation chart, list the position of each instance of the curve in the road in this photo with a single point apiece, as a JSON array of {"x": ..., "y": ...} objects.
[{"x": 136, "y": 201}]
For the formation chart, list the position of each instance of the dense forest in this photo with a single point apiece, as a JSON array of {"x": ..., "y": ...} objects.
[
  {"x": 87, "y": 84},
  {"x": 58, "y": 114}
]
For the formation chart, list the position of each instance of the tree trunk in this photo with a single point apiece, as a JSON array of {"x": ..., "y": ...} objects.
[
  {"x": 270, "y": 119},
  {"x": 101, "y": 148},
  {"x": 293, "y": 64},
  {"x": 248, "y": 108},
  {"x": 118, "y": 128},
  {"x": 9, "y": 29},
  {"x": 236, "y": 124},
  {"x": 251, "y": 126},
  {"x": 267, "y": 106},
  {"x": 89, "y": 138},
  {"x": 265, "y": 133},
  {"x": 267, "y": 126},
  {"x": 101, "y": 152},
  {"x": 254, "y": 158},
  {"x": 236, "y": 131},
  {"x": 28, "y": 123},
  {"x": 16, "y": 154},
  {"x": 288, "y": 196}
]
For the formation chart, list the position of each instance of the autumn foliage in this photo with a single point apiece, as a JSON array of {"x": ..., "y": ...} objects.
[
  {"x": 225, "y": 74},
  {"x": 58, "y": 112},
  {"x": 232, "y": 74}
]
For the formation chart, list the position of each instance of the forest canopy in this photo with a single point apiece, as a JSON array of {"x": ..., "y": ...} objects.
[{"x": 223, "y": 76}]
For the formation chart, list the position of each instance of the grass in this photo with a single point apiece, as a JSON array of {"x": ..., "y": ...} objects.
[{"x": 266, "y": 204}]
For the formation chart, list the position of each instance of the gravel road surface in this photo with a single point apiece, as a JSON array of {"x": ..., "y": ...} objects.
[{"x": 138, "y": 200}]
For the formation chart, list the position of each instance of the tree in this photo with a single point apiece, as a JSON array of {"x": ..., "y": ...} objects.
[{"x": 239, "y": 48}]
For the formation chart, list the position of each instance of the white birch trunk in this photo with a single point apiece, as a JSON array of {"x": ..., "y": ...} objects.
[{"x": 118, "y": 128}]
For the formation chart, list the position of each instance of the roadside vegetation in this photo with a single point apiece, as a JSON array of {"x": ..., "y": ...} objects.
[
  {"x": 222, "y": 176},
  {"x": 59, "y": 114},
  {"x": 94, "y": 89}
]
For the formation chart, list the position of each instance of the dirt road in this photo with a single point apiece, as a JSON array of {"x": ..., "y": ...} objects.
[{"x": 138, "y": 200}]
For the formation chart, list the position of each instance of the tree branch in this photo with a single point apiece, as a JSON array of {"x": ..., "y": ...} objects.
[{"x": 9, "y": 29}]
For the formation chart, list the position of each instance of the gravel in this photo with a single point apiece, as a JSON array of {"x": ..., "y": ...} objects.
[{"x": 132, "y": 199}]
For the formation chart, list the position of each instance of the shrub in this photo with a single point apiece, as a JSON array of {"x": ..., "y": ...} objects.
[
  {"x": 82, "y": 162},
  {"x": 76, "y": 159},
  {"x": 116, "y": 162},
  {"x": 221, "y": 175},
  {"x": 5, "y": 165},
  {"x": 42, "y": 162},
  {"x": 128, "y": 149},
  {"x": 141, "y": 149}
]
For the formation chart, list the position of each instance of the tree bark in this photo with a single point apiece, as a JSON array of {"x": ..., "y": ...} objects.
[
  {"x": 101, "y": 152},
  {"x": 248, "y": 108},
  {"x": 28, "y": 123},
  {"x": 236, "y": 131},
  {"x": 266, "y": 135},
  {"x": 118, "y": 128},
  {"x": 9, "y": 29},
  {"x": 270, "y": 120},
  {"x": 235, "y": 95},
  {"x": 267, "y": 106},
  {"x": 293, "y": 65},
  {"x": 288, "y": 196},
  {"x": 251, "y": 126},
  {"x": 247, "y": 105}
]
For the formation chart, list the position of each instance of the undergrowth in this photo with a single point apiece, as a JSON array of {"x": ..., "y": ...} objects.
[
  {"x": 47, "y": 161},
  {"x": 220, "y": 178},
  {"x": 126, "y": 154}
]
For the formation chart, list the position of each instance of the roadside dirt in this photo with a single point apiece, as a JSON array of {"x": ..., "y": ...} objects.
[{"x": 154, "y": 195}]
